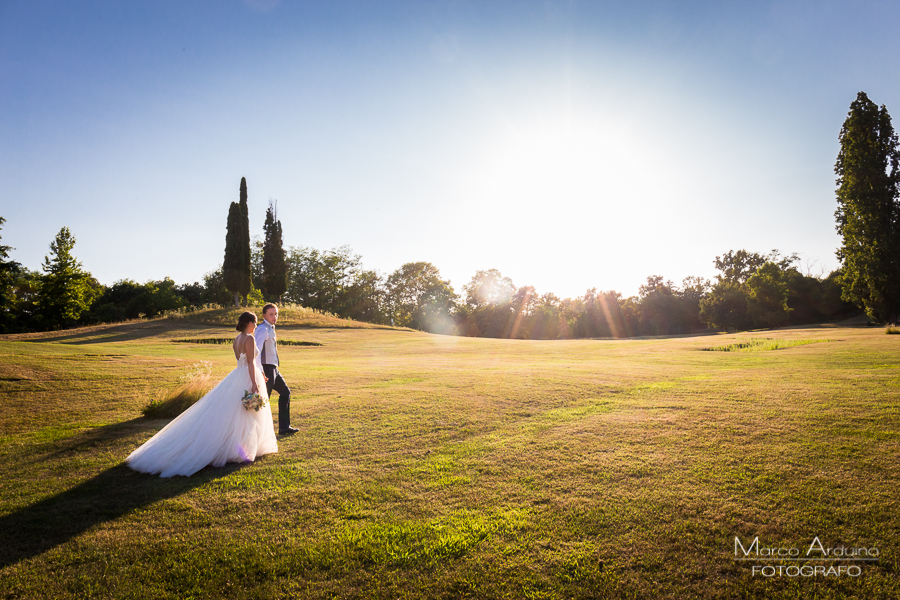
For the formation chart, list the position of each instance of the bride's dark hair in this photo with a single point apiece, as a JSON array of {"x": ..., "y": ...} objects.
[{"x": 244, "y": 319}]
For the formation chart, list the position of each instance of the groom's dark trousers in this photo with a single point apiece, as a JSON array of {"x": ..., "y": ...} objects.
[{"x": 276, "y": 382}]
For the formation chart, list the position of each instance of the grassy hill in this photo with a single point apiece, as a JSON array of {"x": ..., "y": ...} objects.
[{"x": 444, "y": 467}]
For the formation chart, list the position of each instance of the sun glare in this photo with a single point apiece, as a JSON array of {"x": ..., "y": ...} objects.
[
  {"x": 579, "y": 197},
  {"x": 566, "y": 161}
]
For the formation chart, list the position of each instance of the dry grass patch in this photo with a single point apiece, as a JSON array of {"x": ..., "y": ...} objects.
[{"x": 192, "y": 386}]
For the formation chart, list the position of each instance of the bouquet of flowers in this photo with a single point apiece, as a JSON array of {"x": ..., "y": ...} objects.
[{"x": 254, "y": 401}]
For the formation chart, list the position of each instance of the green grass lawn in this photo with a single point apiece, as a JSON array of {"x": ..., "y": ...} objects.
[{"x": 445, "y": 467}]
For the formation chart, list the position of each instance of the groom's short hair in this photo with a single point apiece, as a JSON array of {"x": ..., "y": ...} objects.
[{"x": 268, "y": 306}]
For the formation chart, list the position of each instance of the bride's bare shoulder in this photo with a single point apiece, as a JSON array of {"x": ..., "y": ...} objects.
[
  {"x": 239, "y": 343},
  {"x": 249, "y": 341}
]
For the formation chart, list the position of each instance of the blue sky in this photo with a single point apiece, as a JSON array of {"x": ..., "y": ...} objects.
[{"x": 568, "y": 144}]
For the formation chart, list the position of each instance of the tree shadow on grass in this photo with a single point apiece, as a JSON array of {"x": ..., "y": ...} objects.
[
  {"x": 97, "y": 437},
  {"x": 115, "y": 492},
  {"x": 103, "y": 334},
  {"x": 106, "y": 334}
]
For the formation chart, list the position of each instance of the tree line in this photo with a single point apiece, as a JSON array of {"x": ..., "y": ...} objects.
[{"x": 751, "y": 290}]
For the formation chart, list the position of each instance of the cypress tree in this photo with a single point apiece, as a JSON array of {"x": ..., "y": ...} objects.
[
  {"x": 868, "y": 213},
  {"x": 274, "y": 266},
  {"x": 231, "y": 266},
  {"x": 246, "y": 269}
]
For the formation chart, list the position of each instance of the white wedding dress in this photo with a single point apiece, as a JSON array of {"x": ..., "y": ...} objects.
[{"x": 216, "y": 430}]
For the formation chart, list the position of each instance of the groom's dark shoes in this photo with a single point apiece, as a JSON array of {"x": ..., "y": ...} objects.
[{"x": 288, "y": 431}]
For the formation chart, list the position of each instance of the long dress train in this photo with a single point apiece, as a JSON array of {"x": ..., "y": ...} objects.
[{"x": 216, "y": 430}]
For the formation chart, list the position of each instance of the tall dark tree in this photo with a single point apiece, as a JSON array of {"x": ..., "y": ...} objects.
[
  {"x": 66, "y": 289},
  {"x": 232, "y": 271},
  {"x": 236, "y": 268},
  {"x": 246, "y": 266},
  {"x": 868, "y": 213},
  {"x": 274, "y": 266}
]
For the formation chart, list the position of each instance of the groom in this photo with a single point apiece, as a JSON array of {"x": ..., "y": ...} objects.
[{"x": 268, "y": 349}]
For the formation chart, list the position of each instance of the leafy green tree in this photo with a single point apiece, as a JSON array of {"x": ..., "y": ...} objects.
[
  {"x": 215, "y": 290},
  {"x": 256, "y": 262},
  {"x": 547, "y": 319},
  {"x": 255, "y": 297},
  {"x": 868, "y": 213},
  {"x": 66, "y": 290},
  {"x": 738, "y": 266},
  {"x": 274, "y": 265},
  {"x": 417, "y": 297},
  {"x": 321, "y": 279},
  {"x": 832, "y": 305},
  {"x": 6, "y": 265},
  {"x": 192, "y": 293},
  {"x": 667, "y": 309},
  {"x": 525, "y": 303},
  {"x": 726, "y": 306},
  {"x": 489, "y": 310},
  {"x": 334, "y": 281},
  {"x": 661, "y": 307},
  {"x": 693, "y": 290},
  {"x": 630, "y": 309},
  {"x": 814, "y": 299},
  {"x": 365, "y": 298},
  {"x": 767, "y": 298},
  {"x": 306, "y": 276},
  {"x": 804, "y": 297},
  {"x": 734, "y": 304},
  {"x": 26, "y": 285},
  {"x": 596, "y": 314},
  {"x": 9, "y": 274},
  {"x": 489, "y": 287}
]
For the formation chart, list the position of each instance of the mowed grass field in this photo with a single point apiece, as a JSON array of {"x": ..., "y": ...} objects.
[{"x": 429, "y": 466}]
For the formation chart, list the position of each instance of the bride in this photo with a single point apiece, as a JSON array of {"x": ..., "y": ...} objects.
[{"x": 217, "y": 429}]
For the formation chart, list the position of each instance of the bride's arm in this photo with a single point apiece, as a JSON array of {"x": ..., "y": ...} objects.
[{"x": 249, "y": 349}]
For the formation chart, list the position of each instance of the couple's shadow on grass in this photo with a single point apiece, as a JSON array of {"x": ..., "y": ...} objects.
[{"x": 111, "y": 494}]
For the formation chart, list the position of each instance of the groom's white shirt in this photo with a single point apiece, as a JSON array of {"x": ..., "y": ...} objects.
[{"x": 265, "y": 341}]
